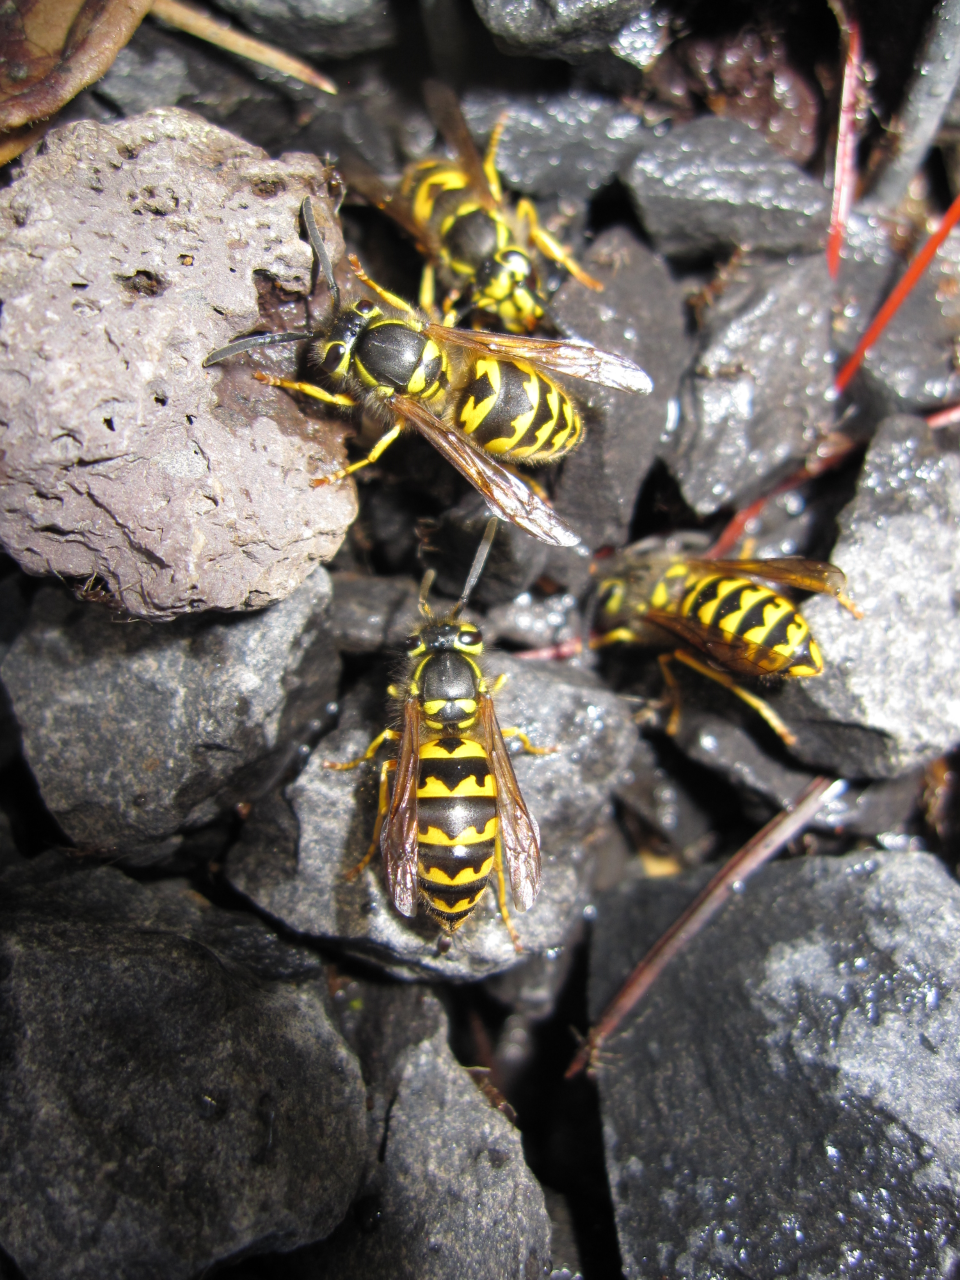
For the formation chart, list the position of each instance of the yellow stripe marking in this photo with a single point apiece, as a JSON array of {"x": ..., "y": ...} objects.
[
  {"x": 436, "y": 789},
  {"x": 466, "y": 876},
  {"x": 447, "y": 909},
  {"x": 468, "y": 836}
]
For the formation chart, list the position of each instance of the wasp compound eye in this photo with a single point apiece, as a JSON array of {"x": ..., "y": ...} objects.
[
  {"x": 411, "y": 644},
  {"x": 334, "y": 355},
  {"x": 470, "y": 637},
  {"x": 364, "y": 306}
]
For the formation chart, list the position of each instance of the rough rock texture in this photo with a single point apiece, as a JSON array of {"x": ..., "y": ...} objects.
[
  {"x": 759, "y": 395},
  {"x": 204, "y": 710},
  {"x": 896, "y": 671},
  {"x": 569, "y": 30},
  {"x": 369, "y": 612},
  {"x": 785, "y": 1098},
  {"x": 640, "y": 316},
  {"x": 716, "y": 183},
  {"x": 292, "y": 864},
  {"x": 128, "y": 252},
  {"x": 174, "y": 1090},
  {"x": 447, "y": 1192},
  {"x": 567, "y": 144},
  {"x": 337, "y": 28}
]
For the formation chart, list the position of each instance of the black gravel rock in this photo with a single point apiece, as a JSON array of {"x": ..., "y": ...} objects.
[
  {"x": 369, "y": 612},
  {"x": 294, "y": 852},
  {"x": 570, "y": 30},
  {"x": 716, "y": 184},
  {"x": 175, "y": 1091},
  {"x": 207, "y": 709},
  {"x": 784, "y": 1099},
  {"x": 760, "y": 394},
  {"x": 333, "y": 28}
]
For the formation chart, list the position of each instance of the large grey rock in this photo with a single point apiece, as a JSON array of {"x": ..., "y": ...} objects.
[
  {"x": 292, "y": 864},
  {"x": 175, "y": 1092},
  {"x": 447, "y": 1192},
  {"x": 128, "y": 252},
  {"x": 785, "y": 1098},
  {"x": 566, "y": 29},
  {"x": 716, "y": 183},
  {"x": 568, "y": 144},
  {"x": 135, "y": 732},
  {"x": 337, "y": 28},
  {"x": 896, "y": 672},
  {"x": 760, "y": 394}
]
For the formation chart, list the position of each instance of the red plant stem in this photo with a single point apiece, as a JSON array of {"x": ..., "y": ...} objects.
[
  {"x": 845, "y": 165},
  {"x": 899, "y": 295},
  {"x": 751, "y": 857},
  {"x": 945, "y": 417},
  {"x": 553, "y": 652}
]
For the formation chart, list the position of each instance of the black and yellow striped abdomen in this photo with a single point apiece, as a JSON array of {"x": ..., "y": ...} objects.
[
  {"x": 511, "y": 409},
  {"x": 457, "y": 827},
  {"x": 743, "y": 608}
]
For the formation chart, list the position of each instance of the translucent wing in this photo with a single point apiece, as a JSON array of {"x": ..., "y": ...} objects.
[
  {"x": 575, "y": 359},
  {"x": 398, "y": 839},
  {"x": 443, "y": 106},
  {"x": 360, "y": 177},
  {"x": 726, "y": 650},
  {"x": 791, "y": 571},
  {"x": 519, "y": 834},
  {"x": 506, "y": 495}
]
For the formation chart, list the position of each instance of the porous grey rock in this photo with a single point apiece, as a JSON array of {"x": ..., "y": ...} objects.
[
  {"x": 128, "y": 252},
  {"x": 760, "y": 394},
  {"x": 785, "y": 1098},
  {"x": 640, "y": 316},
  {"x": 895, "y": 673},
  {"x": 717, "y": 184},
  {"x": 292, "y": 864},
  {"x": 447, "y": 1192},
  {"x": 333, "y": 28},
  {"x": 568, "y": 144},
  {"x": 534, "y": 622},
  {"x": 368, "y": 612},
  {"x": 175, "y": 1090},
  {"x": 516, "y": 559},
  {"x": 571, "y": 29},
  {"x": 136, "y": 732}
]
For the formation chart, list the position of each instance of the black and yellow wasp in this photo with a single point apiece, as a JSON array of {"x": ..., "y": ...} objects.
[
  {"x": 455, "y": 815},
  {"x": 475, "y": 396},
  {"x": 656, "y": 592},
  {"x": 455, "y": 212}
]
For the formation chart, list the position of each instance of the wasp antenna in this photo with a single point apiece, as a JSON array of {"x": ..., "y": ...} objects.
[
  {"x": 479, "y": 560},
  {"x": 425, "y": 586},
  {"x": 319, "y": 248}
]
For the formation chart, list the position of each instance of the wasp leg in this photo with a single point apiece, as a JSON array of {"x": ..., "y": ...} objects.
[
  {"x": 388, "y": 767},
  {"x": 490, "y": 159},
  {"x": 502, "y": 897},
  {"x": 305, "y": 388},
  {"x": 500, "y": 681},
  {"x": 511, "y": 731},
  {"x": 391, "y": 299},
  {"x": 382, "y": 444},
  {"x": 551, "y": 248},
  {"x": 762, "y": 708},
  {"x": 619, "y": 635},
  {"x": 428, "y": 289},
  {"x": 388, "y": 735},
  {"x": 673, "y": 691}
]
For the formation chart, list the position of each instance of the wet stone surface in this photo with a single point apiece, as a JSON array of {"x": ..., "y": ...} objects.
[
  {"x": 208, "y": 710},
  {"x": 717, "y": 184},
  {"x": 157, "y": 1047},
  {"x": 571, "y": 30},
  {"x": 128, "y": 253},
  {"x": 759, "y": 395},
  {"x": 314, "y": 27},
  {"x": 792, "y": 1106},
  {"x": 293, "y": 854}
]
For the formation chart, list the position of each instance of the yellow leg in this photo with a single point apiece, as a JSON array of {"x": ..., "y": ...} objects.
[
  {"x": 387, "y": 767},
  {"x": 382, "y": 444},
  {"x": 500, "y": 681},
  {"x": 673, "y": 692},
  {"x": 844, "y": 599},
  {"x": 619, "y": 635},
  {"x": 762, "y": 708},
  {"x": 306, "y": 388},
  {"x": 490, "y": 159},
  {"x": 551, "y": 248},
  {"x": 502, "y": 898},
  {"x": 428, "y": 289},
  {"x": 391, "y": 299},
  {"x": 388, "y": 735},
  {"x": 512, "y": 732}
]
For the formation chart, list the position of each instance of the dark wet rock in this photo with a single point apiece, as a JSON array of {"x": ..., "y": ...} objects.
[
  {"x": 294, "y": 852},
  {"x": 717, "y": 184},
  {"x": 534, "y": 622},
  {"x": 369, "y": 612},
  {"x": 567, "y": 144},
  {"x": 894, "y": 674},
  {"x": 124, "y": 459},
  {"x": 570, "y": 31},
  {"x": 784, "y": 1098},
  {"x": 332, "y": 28},
  {"x": 639, "y": 315},
  {"x": 516, "y": 559},
  {"x": 760, "y": 394},
  {"x": 664, "y": 803},
  {"x": 176, "y": 1092},
  {"x": 446, "y": 1192},
  {"x": 136, "y": 732}
]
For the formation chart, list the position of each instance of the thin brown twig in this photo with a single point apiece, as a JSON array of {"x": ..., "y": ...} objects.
[
  {"x": 754, "y": 854},
  {"x": 845, "y": 166}
]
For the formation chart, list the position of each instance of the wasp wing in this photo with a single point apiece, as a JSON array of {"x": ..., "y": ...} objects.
[
  {"x": 519, "y": 834},
  {"x": 575, "y": 359},
  {"x": 791, "y": 571},
  {"x": 398, "y": 839},
  {"x": 445, "y": 109},
  {"x": 364, "y": 180},
  {"x": 508, "y": 496},
  {"x": 726, "y": 650}
]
